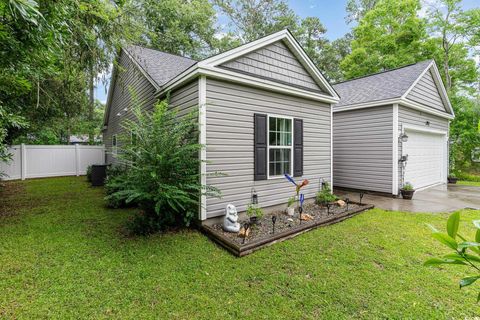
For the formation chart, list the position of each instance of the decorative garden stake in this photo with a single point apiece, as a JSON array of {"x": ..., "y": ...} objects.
[
  {"x": 246, "y": 226},
  {"x": 361, "y": 197},
  {"x": 300, "y": 209},
  {"x": 347, "y": 201},
  {"x": 328, "y": 208},
  {"x": 297, "y": 189},
  {"x": 274, "y": 219}
]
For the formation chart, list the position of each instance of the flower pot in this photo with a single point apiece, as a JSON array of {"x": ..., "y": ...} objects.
[
  {"x": 291, "y": 211},
  {"x": 407, "y": 194},
  {"x": 254, "y": 220},
  {"x": 452, "y": 180}
]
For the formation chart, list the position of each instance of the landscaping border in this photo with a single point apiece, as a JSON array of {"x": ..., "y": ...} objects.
[{"x": 247, "y": 248}]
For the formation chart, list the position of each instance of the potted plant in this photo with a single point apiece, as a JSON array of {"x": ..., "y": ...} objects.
[
  {"x": 254, "y": 213},
  {"x": 407, "y": 191},
  {"x": 290, "y": 206},
  {"x": 452, "y": 178}
]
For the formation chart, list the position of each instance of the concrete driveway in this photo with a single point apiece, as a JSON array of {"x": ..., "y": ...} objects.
[{"x": 441, "y": 198}]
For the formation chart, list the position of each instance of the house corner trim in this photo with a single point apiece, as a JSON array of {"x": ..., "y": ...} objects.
[
  {"x": 202, "y": 122},
  {"x": 395, "y": 150}
]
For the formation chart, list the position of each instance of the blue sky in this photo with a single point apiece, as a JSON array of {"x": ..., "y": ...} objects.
[{"x": 331, "y": 13}]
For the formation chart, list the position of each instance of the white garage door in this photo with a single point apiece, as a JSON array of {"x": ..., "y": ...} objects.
[{"x": 426, "y": 158}]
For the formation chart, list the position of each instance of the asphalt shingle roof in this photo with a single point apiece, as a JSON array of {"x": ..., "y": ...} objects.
[
  {"x": 160, "y": 66},
  {"x": 380, "y": 86}
]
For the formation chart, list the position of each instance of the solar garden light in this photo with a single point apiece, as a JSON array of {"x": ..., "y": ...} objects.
[
  {"x": 274, "y": 219},
  {"x": 361, "y": 197},
  {"x": 347, "y": 201},
  {"x": 328, "y": 208},
  {"x": 254, "y": 196}
]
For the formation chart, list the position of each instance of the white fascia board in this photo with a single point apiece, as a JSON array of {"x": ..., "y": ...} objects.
[
  {"x": 401, "y": 101},
  {"x": 264, "y": 84},
  {"x": 417, "y": 106},
  {"x": 109, "y": 98}
]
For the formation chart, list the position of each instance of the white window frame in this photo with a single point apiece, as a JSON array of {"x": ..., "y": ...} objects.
[
  {"x": 279, "y": 147},
  {"x": 114, "y": 145}
]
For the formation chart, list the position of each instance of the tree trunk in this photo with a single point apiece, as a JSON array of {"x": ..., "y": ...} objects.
[{"x": 91, "y": 107}]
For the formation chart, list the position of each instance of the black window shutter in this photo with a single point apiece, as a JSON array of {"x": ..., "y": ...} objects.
[
  {"x": 297, "y": 147},
  {"x": 260, "y": 151}
]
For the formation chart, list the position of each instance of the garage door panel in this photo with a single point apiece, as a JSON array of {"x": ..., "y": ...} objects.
[{"x": 425, "y": 158}]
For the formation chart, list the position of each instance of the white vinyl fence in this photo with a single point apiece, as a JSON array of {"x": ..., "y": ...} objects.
[{"x": 36, "y": 161}]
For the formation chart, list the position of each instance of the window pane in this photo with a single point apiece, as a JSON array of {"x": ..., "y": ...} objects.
[
  {"x": 279, "y": 162},
  {"x": 280, "y": 132},
  {"x": 272, "y": 124}
]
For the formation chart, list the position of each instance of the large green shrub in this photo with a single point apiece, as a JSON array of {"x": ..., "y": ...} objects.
[{"x": 160, "y": 156}]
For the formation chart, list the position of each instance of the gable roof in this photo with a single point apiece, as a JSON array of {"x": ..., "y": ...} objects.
[
  {"x": 391, "y": 86},
  {"x": 160, "y": 67},
  {"x": 379, "y": 86},
  {"x": 167, "y": 71}
]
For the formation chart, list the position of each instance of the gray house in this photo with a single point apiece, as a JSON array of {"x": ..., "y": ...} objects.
[
  {"x": 392, "y": 127},
  {"x": 265, "y": 110}
]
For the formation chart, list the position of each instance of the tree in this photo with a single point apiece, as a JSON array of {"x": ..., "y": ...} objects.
[
  {"x": 253, "y": 19},
  {"x": 457, "y": 29},
  {"x": 185, "y": 28},
  {"x": 390, "y": 35},
  {"x": 357, "y": 9},
  {"x": 332, "y": 55}
]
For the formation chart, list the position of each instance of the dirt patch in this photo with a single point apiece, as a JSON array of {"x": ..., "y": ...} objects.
[{"x": 9, "y": 203}]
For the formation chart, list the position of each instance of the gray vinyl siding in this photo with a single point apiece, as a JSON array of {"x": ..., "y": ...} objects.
[
  {"x": 408, "y": 116},
  {"x": 426, "y": 92},
  {"x": 274, "y": 62},
  {"x": 362, "y": 149},
  {"x": 128, "y": 79},
  {"x": 230, "y": 144},
  {"x": 185, "y": 99}
]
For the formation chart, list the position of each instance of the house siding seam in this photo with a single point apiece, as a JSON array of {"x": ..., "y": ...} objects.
[
  {"x": 230, "y": 144},
  {"x": 362, "y": 149},
  {"x": 408, "y": 116},
  {"x": 277, "y": 63},
  {"x": 129, "y": 78},
  {"x": 426, "y": 93}
]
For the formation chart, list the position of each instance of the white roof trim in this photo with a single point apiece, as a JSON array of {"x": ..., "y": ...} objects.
[
  {"x": 257, "y": 44},
  {"x": 401, "y": 101},
  {"x": 438, "y": 81}
]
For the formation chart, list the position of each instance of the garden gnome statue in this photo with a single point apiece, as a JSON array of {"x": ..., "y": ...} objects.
[{"x": 230, "y": 223}]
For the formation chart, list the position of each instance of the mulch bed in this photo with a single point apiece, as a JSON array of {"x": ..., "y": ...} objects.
[{"x": 286, "y": 227}]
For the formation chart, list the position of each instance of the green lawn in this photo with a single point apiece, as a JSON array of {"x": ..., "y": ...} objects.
[
  {"x": 469, "y": 183},
  {"x": 63, "y": 255}
]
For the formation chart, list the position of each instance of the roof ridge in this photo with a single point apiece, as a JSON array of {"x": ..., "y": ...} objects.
[
  {"x": 153, "y": 49},
  {"x": 381, "y": 72}
]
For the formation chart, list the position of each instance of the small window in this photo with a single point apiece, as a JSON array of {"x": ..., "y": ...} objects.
[
  {"x": 114, "y": 144},
  {"x": 280, "y": 141}
]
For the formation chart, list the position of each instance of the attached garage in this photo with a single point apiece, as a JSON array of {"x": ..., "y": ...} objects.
[{"x": 390, "y": 128}]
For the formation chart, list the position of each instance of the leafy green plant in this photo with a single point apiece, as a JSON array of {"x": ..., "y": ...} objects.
[
  {"x": 89, "y": 174},
  {"x": 254, "y": 211},
  {"x": 116, "y": 183},
  {"x": 325, "y": 195},
  {"x": 291, "y": 201},
  {"x": 407, "y": 186},
  {"x": 465, "y": 253},
  {"x": 161, "y": 169}
]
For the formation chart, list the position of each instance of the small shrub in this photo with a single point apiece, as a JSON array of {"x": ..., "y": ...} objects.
[
  {"x": 89, "y": 173},
  {"x": 407, "y": 186},
  {"x": 466, "y": 176},
  {"x": 325, "y": 195},
  {"x": 116, "y": 182},
  {"x": 254, "y": 211}
]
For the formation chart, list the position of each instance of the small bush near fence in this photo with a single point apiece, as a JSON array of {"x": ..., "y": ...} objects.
[
  {"x": 158, "y": 169},
  {"x": 467, "y": 176}
]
